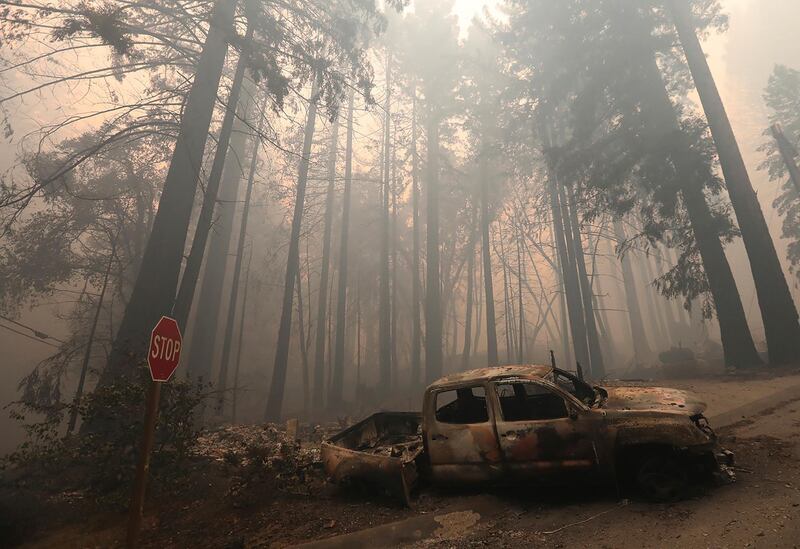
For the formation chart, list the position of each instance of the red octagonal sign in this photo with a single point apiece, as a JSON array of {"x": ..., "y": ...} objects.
[{"x": 165, "y": 349}]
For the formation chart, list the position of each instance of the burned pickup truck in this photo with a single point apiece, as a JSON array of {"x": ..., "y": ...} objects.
[{"x": 533, "y": 424}]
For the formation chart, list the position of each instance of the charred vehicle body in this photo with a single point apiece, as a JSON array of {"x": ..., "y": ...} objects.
[{"x": 533, "y": 424}]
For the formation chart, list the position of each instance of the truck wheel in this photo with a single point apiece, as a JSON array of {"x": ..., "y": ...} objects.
[{"x": 661, "y": 478}]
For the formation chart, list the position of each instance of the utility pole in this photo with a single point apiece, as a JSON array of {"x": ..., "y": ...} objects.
[{"x": 73, "y": 414}]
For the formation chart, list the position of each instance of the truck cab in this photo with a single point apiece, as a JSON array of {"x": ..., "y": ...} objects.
[{"x": 531, "y": 423}]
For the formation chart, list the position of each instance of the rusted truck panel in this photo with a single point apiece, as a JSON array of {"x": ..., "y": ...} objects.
[
  {"x": 381, "y": 450},
  {"x": 531, "y": 423}
]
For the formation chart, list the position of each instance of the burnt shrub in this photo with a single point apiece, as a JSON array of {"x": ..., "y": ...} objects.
[{"x": 100, "y": 460}]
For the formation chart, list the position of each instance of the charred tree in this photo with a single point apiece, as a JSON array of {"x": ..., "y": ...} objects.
[
  {"x": 506, "y": 301},
  {"x": 239, "y": 340},
  {"x": 653, "y": 313},
  {"x": 521, "y": 314},
  {"x": 385, "y": 315},
  {"x": 486, "y": 255},
  {"x": 662, "y": 121},
  {"x": 335, "y": 396},
  {"x": 778, "y": 311},
  {"x": 433, "y": 299},
  {"x": 563, "y": 308},
  {"x": 641, "y": 347},
  {"x": 276, "y": 390},
  {"x": 590, "y": 321},
  {"x": 416, "y": 290},
  {"x": 227, "y": 342},
  {"x": 322, "y": 295},
  {"x": 572, "y": 289},
  {"x": 465, "y": 354},
  {"x": 226, "y": 172},
  {"x": 153, "y": 293},
  {"x": 393, "y": 253},
  {"x": 302, "y": 341}
]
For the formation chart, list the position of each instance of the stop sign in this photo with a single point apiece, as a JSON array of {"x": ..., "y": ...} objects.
[{"x": 165, "y": 349}]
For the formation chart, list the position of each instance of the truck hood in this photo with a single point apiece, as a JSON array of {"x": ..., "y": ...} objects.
[{"x": 653, "y": 399}]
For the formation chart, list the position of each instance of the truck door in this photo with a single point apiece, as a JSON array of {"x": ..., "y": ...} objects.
[
  {"x": 540, "y": 433},
  {"x": 462, "y": 444}
]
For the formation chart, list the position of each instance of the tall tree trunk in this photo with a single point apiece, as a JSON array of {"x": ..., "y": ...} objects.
[
  {"x": 322, "y": 295},
  {"x": 488, "y": 286},
  {"x": 385, "y": 318},
  {"x": 684, "y": 318},
  {"x": 433, "y": 300},
  {"x": 658, "y": 305},
  {"x": 778, "y": 310},
  {"x": 601, "y": 316},
  {"x": 478, "y": 296},
  {"x": 393, "y": 303},
  {"x": 468, "y": 312},
  {"x": 335, "y": 397},
  {"x": 239, "y": 339},
  {"x": 595, "y": 351},
  {"x": 329, "y": 324},
  {"x": 222, "y": 382},
  {"x": 454, "y": 342},
  {"x": 506, "y": 300},
  {"x": 737, "y": 343},
  {"x": 672, "y": 325},
  {"x": 153, "y": 294},
  {"x": 641, "y": 347},
  {"x": 358, "y": 343},
  {"x": 652, "y": 310},
  {"x": 788, "y": 154},
  {"x": 310, "y": 316},
  {"x": 416, "y": 290},
  {"x": 302, "y": 343},
  {"x": 228, "y": 172},
  {"x": 564, "y": 328},
  {"x": 662, "y": 119},
  {"x": 570, "y": 276},
  {"x": 520, "y": 274},
  {"x": 276, "y": 390}
]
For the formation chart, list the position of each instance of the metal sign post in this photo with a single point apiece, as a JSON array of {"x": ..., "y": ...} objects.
[{"x": 163, "y": 357}]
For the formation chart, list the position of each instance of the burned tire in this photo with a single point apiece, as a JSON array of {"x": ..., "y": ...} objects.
[{"x": 661, "y": 478}]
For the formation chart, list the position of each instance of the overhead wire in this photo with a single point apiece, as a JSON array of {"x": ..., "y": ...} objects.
[
  {"x": 23, "y": 334},
  {"x": 37, "y": 334}
]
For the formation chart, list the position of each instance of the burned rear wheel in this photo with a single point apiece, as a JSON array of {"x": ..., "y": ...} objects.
[{"x": 661, "y": 478}]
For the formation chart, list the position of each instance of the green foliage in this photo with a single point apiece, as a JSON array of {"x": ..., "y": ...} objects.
[{"x": 102, "y": 462}]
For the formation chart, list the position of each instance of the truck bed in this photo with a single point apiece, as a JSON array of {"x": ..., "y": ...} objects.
[{"x": 381, "y": 450}]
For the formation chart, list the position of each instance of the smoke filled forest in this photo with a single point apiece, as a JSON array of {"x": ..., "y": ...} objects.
[{"x": 582, "y": 213}]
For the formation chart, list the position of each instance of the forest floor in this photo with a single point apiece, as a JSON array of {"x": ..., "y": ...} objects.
[{"x": 757, "y": 416}]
